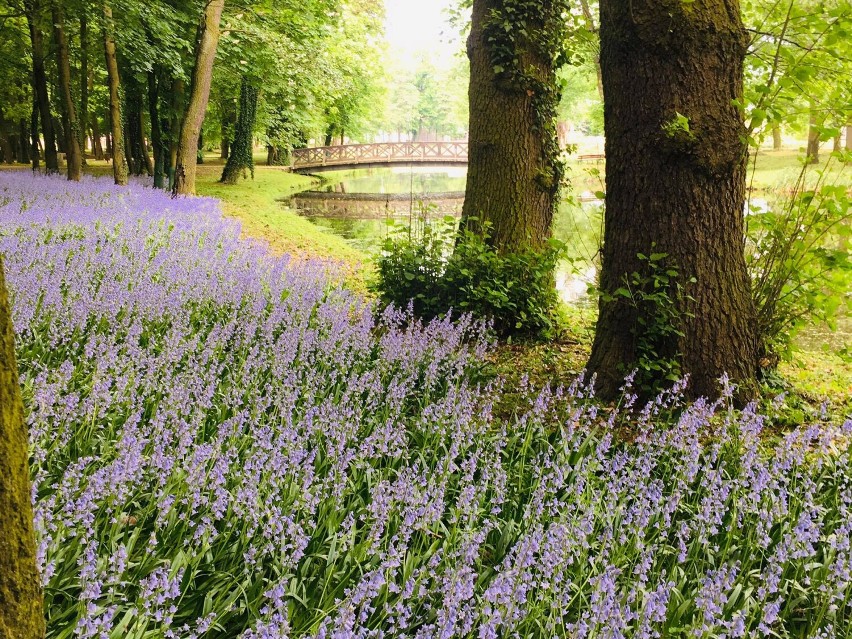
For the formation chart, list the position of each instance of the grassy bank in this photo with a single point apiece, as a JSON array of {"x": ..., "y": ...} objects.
[{"x": 256, "y": 204}]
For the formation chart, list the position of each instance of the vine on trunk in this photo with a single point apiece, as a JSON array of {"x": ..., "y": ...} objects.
[
  {"x": 241, "y": 156},
  {"x": 520, "y": 32}
]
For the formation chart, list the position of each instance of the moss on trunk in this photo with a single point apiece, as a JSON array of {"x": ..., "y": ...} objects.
[{"x": 21, "y": 607}]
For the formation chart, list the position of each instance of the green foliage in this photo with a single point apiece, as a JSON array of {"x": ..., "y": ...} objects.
[
  {"x": 659, "y": 298},
  {"x": 241, "y": 157},
  {"x": 513, "y": 290},
  {"x": 678, "y": 126},
  {"x": 799, "y": 259}
]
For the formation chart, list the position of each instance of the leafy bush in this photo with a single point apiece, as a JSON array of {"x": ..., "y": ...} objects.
[
  {"x": 438, "y": 271},
  {"x": 799, "y": 258},
  {"x": 658, "y": 295},
  {"x": 224, "y": 446}
]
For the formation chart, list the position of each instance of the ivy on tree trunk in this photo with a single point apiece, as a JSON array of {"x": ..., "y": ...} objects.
[
  {"x": 241, "y": 156},
  {"x": 514, "y": 171}
]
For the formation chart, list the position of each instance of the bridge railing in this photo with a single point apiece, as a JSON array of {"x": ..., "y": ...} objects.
[{"x": 349, "y": 154}]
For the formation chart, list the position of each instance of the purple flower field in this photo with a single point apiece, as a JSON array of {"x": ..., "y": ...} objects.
[{"x": 226, "y": 445}]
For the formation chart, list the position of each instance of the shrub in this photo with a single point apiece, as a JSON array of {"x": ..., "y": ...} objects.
[
  {"x": 439, "y": 270},
  {"x": 659, "y": 297},
  {"x": 800, "y": 261}
]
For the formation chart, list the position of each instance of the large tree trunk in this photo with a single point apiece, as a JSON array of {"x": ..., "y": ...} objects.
[
  {"x": 51, "y": 160},
  {"x": 242, "y": 152},
  {"x": 675, "y": 184},
  {"x": 119, "y": 165},
  {"x": 21, "y": 604},
  {"x": 74, "y": 157},
  {"x": 513, "y": 175},
  {"x": 208, "y": 40}
]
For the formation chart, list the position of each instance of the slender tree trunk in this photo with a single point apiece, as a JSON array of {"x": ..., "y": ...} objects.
[
  {"x": 174, "y": 127},
  {"x": 84, "y": 85},
  {"x": 69, "y": 111},
  {"x": 24, "y": 155},
  {"x": 59, "y": 130},
  {"x": 160, "y": 149},
  {"x": 119, "y": 166},
  {"x": 21, "y": 601},
  {"x": 675, "y": 184},
  {"x": 133, "y": 135},
  {"x": 51, "y": 160},
  {"x": 34, "y": 134},
  {"x": 208, "y": 40},
  {"x": 6, "y": 148},
  {"x": 97, "y": 145},
  {"x": 849, "y": 137},
  {"x": 813, "y": 138},
  {"x": 242, "y": 153},
  {"x": 143, "y": 144},
  {"x": 514, "y": 174},
  {"x": 229, "y": 121},
  {"x": 592, "y": 28},
  {"x": 776, "y": 137}
]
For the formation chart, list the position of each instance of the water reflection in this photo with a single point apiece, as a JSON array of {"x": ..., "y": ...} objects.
[{"x": 366, "y": 206}]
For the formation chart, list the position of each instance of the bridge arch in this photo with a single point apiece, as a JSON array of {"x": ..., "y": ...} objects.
[{"x": 347, "y": 156}]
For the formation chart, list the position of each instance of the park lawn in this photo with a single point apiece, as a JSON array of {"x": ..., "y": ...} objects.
[{"x": 256, "y": 204}]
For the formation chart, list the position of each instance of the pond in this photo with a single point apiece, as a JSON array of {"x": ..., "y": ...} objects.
[{"x": 367, "y": 205}]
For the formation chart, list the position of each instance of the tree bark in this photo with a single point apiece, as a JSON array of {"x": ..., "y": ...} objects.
[
  {"x": 97, "y": 146},
  {"x": 514, "y": 174},
  {"x": 242, "y": 153},
  {"x": 849, "y": 137},
  {"x": 675, "y": 184},
  {"x": 7, "y": 152},
  {"x": 134, "y": 136},
  {"x": 21, "y": 602},
  {"x": 776, "y": 137},
  {"x": 174, "y": 128},
  {"x": 813, "y": 138},
  {"x": 84, "y": 85},
  {"x": 51, "y": 160},
  {"x": 119, "y": 165},
  {"x": 160, "y": 149},
  {"x": 34, "y": 134},
  {"x": 69, "y": 112},
  {"x": 24, "y": 153},
  {"x": 207, "y": 42}
]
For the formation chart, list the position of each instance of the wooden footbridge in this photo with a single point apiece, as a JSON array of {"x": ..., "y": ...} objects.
[
  {"x": 364, "y": 156},
  {"x": 358, "y": 156}
]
